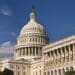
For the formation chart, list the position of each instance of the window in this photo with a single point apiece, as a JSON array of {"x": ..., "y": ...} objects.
[
  {"x": 49, "y": 54},
  {"x": 63, "y": 70},
  {"x": 30, "y": 39},
  {"x": 36, "y": 72},
  {"x": 48, "y": 73},
  {"x": 36, "y": 39},
  {"x": 18, "y": 73},
  {"x": 51, "y": 72},
  {"x": 67, "y": 69},
  {"x": 33, "y": 39},
  {"x": 71, "y": 68},
  {"x": 44, "y": 73},
  {"x": 40, "y": 72},
  {"x": 24, "y": 73},
  {"x": 55, "y": 72},
  {"x": 59, "y": 72}
]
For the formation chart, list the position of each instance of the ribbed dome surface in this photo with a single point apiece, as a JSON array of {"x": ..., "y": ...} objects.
[{"x": 32, "y": 27}]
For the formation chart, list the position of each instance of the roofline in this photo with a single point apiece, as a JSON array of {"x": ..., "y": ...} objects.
[{"x": 60, "y": 42}]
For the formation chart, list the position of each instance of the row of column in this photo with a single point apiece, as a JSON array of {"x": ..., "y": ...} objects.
[
  {"x": 66, "y": 53},
  {"x": 39, "y": 72},
  {"x": 28, "y": 51},
  {"x": 59, "y": 71}
]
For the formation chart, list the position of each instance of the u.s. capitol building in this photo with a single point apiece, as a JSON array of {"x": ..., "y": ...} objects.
[{"x": 34, "y": 55}]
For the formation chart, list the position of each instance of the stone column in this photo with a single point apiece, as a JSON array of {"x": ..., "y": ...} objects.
[
  {"x": 54, "y": 57},
  {"x": 64, "y": 54},
  {"x": 60, "y": 55},
  {"x": 35, "y": 51},
  {"x": 74, "y": 52},
  {"x": 21, "y": 51},
  {"x": 69, "y": 52},
  {"x": 25, "y": 51},
  {"x": 28, "y": 50},
  {"x": 31, "y": 51}
]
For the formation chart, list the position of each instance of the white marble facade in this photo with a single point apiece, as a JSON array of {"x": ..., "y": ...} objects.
[
  {"x": 59, "y": 57},
  {"x": 34, "y": 55}
]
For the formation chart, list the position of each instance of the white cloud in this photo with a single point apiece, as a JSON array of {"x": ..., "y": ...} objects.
[
  {"x": 6, "y": 49},
  {"x": 5, "y": 11}
]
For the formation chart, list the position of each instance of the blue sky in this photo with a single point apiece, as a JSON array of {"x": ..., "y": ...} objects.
[{"x": 57, "y": 17}]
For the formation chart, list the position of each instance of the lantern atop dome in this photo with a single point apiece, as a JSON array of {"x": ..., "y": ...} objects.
[{"x": 32, "y": 14}]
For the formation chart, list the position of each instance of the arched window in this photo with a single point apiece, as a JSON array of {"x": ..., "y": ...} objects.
[
  {"x": 59, "y": 72},
  {"x": 63, "y": 71},
  {"x": 51, "y": 72},
  {"x": 55, "y": 72}
]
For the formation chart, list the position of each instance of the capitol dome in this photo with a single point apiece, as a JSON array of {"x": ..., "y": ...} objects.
[
  {"x": 31, "y": 39},
  {"x": 32, "y": 26}
]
